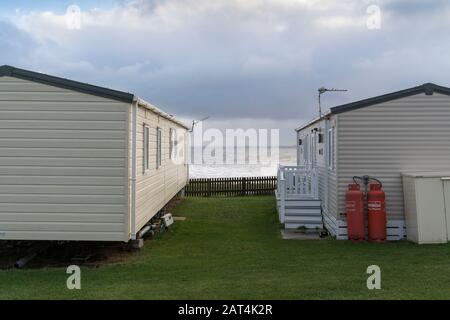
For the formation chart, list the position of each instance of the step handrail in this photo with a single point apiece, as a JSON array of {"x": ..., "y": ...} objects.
[{"x": 298, "y": 180}]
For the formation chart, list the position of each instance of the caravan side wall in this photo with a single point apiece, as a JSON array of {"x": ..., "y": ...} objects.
[
  {"x": 63, "y": 164},
  {"x": 157, "y": 185},
  {"x": 318, "y": 156},
  {"x": 384, "y": 140}
]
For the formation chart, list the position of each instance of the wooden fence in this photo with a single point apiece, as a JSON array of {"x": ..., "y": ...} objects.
[{"x": 229, "y": 187}]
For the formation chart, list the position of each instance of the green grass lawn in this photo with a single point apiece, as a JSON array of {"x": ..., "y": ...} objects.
[{"x": 231, "y": 248}]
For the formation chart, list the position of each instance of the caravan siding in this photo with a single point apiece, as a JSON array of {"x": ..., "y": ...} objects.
[
  {"x": 63, "y": 164},
  {"x": 158, "y": 184},
  {"x": 384, "y": 140}
]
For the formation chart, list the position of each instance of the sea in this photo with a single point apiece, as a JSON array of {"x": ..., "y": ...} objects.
[{"x": 286, "y": 156}]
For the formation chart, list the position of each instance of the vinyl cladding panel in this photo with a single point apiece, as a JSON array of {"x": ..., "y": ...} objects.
[
  {"x": 156, "y": 186},
  {"x": 63, "y": 164},
  {"x": 384, "y": 140}
]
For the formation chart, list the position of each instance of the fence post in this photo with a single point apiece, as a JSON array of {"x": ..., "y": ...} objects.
[
  {"x": 209, "y": 187},
  {"x": 244, "y": 186}
]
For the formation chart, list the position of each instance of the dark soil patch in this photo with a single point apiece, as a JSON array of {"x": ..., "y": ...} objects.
[
  {"x": 63, "y": 254},
  {"x": 172, "y": 204},
  {"x": 50, "y": 254}
]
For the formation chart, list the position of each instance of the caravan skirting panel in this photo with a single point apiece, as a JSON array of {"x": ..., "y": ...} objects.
[{"x": 396, "y": 229}]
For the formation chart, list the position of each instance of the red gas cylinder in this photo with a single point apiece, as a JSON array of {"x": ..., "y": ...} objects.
[
  {"x": 376, "y": 206},
  {"x": 354, "y": 203}
]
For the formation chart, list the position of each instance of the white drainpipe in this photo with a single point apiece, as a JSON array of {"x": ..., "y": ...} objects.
[{"x": 133, "y": 169}]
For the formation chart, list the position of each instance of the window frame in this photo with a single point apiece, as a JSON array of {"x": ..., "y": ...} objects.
[
  {"x": 158, "y": 147},
  {"x": 171, "y": 143},
  {"x": 306, "y": 149},
  {"x": 313, "y": 150},
  {"x": 146, "y": 148},
  {"x": 175, "y": 144},
  {"x": 331, "y": 150}
]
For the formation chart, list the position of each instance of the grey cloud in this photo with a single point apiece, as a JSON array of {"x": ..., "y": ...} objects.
[
  {"x": 15, "y": 44},
  {"x": 260, "y": 60},
  {"x": 414, "y": 7}
]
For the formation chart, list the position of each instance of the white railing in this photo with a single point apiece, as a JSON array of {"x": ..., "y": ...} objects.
[{"x": 298, "y": 181}]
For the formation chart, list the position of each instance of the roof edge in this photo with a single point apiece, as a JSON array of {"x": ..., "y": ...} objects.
[
  {"x": 5, "y": 70},
  {"x": 427, "y": 88},
  {"x": 158, "y": 111},
  {"x": 66, "y": 83},
  {"x": 313, "y": 121}
]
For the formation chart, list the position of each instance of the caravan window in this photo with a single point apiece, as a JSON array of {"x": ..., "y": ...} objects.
[
  {"x": 312, "y": 149},
  {"x": 171, "y": 143},
  {"x": 305, "y": 150},
  {"x": 331, "y": 149},
  {"x": 146, "y": 150},
  {"x": 158, "y": 148}
]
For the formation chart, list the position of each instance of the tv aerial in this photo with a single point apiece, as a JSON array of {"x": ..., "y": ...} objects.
[
  {"x": 195, "y": 122},
  {"x": 323, "y": 90}
]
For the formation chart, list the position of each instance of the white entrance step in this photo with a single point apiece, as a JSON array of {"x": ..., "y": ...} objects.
[
  {"x": 304, "y": 219},
  {"x": 300, "y": 202},
  {"x": 303, "y": 211}
]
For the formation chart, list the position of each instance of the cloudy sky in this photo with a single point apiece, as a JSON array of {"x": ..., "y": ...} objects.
[{"x": 245, "y": 63}]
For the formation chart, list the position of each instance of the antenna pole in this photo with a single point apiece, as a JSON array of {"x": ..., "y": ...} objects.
[
  {"x": 320, "y": 106},
  {"x": 322, "y": 90}
]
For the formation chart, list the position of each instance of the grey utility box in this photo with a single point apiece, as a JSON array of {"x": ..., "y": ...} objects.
[{"x": 426, "y": 196}]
